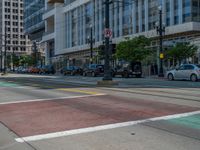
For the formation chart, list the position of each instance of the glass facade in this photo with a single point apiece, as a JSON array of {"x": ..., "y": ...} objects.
[
  {"x": 195, "y": 10},
  {"x": 33, "y": 12},
  {"x": 126, "y": 18}
]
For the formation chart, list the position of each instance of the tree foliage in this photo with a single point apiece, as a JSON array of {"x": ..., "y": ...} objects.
[
  {"x": 133, "y": 49},
  {"x": 13, "y": 58},
  {"x": 182, "y": 51},
  {"x": 26, "y": 60}
]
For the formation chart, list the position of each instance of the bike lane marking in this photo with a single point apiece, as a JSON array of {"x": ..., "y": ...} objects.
[
  {"x": 192, "y": 121},
  {"x": 8, "y": 84}
]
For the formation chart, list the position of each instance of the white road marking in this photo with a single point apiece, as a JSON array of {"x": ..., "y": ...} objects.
[
  {"x": 100, "y": 128},
  {"x": 50, "y": 99}
]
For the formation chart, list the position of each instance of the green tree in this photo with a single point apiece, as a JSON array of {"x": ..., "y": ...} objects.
[
  {"x": 26, "y": 60},
  {"x": 133, "y": 49},
  {"x": 182, "y": 51},
  {"x": 15, "y": 60}
]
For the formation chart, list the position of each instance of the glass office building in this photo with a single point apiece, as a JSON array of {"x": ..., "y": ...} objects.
[
  {"x": 33, "y": 22},
  {"x": 68, "y": 23}
]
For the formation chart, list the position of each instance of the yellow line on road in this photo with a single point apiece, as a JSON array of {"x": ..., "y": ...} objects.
[{"x": 79, "y": 91}]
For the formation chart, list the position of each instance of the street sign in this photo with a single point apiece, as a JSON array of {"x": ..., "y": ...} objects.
[{"x": 108, "y": 33}]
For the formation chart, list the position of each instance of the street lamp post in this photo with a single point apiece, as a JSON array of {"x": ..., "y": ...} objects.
[
  {"x": 13, "y": 53},
  {"x": 1, "y": 59},
  {"x": 107, "y": 69},
  {"x": 35, "y": 52},
  {"x": 91, "y": 42},
  {"x": 160, "y": 30}
]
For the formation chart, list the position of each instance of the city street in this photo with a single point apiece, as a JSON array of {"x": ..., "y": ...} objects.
[{"x": 39, "y": 112}]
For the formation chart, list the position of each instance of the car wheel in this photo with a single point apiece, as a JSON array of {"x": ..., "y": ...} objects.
[
  {"x": 84, "y": 74},
  {"x": 138, "y": 76},
  {"x": 126, "y": 75},
  {"x": 113, "y": 75},
  {"x": 93, "y": 74},
  {"x": 193, "y": 77},
  {"x": 170, "y": 77}
]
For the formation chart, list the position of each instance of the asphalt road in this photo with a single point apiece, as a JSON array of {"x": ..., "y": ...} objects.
[{"x": 73, "y": 113}]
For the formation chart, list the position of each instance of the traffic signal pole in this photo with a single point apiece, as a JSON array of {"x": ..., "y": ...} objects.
[{"x": 160, "y": 30}]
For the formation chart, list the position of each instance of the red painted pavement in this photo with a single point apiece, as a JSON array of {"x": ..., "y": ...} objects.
[{"x": 34, "y": 118}]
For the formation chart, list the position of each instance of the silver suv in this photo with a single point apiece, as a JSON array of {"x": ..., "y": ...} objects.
[{"x": 185, "y": 72}]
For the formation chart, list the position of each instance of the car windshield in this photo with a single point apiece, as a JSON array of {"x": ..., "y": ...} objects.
[
  {"x": 100, "y": 66},
  {"x": 71, "y": 68},
  {"x": 75, "y": 67}
]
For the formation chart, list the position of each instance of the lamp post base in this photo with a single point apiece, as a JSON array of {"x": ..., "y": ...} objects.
[{"x": 107, "y": 83}]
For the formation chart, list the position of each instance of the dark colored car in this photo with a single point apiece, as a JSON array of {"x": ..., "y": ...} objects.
[
  {"x": 72, "y": 70},
  {"x": 42, "y": 70},
  {"x": 132, "y": 69},
  {"x": 93, "y": 70},
  {"x": 48, "y": 69}
]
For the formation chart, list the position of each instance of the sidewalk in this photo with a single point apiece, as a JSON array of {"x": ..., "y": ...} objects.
[
  {"x": 7, "y": 140},
  {"x": 155, "y": 77}
]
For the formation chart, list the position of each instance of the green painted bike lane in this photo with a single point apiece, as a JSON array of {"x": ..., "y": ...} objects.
[
  {"x": 185, "y": 126},
  {"x": 8, "y": 84},
  {"x": 190, "y": 121}
]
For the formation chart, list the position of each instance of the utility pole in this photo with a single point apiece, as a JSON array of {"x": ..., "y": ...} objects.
[
  {"x": 5, "y": 51},
  {"x": 107, "y": 68}
]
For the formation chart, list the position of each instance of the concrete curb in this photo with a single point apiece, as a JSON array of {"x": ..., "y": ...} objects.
[
  {"x": 2, "y": 74},
  {"x": 107, "y": 83}
]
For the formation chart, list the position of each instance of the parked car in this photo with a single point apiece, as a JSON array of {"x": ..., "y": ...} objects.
[
  {"x": 129, "y": 69},
  {"x": 48, "y": 69},
  {"x": 22, "y": 69},
  {"x": 72, "y": 70},
  {"x": 42, "y": 69},
  {"x": 34, "y": 70},
  {"x": 93, "y": 70},
  {"x": 185, "y": 72}
]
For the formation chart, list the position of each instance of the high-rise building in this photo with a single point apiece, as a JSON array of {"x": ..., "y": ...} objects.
[
  {"x": 68, "y": 24},
  {"x": 33, "y": 23},
  {"x": 11, "y": 27},
  {"x": 34, "y": 26}
]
